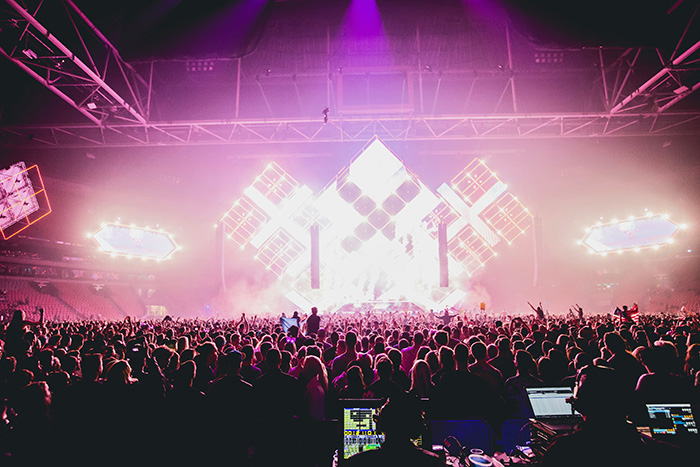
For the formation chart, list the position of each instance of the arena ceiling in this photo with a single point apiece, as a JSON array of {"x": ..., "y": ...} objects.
[{"x": 184, "y": 73}]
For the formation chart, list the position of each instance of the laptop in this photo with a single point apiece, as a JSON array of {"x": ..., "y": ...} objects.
[
  {"x": 673, "y": 423},
  {"x": 550, "y": 407}
]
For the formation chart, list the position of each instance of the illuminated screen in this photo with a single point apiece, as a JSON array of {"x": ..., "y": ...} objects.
[
  {"x": 134, "y": 242},
  {"x": 360, "y": 430},
  {"x": 23, "y": 199},
  {"x": 551, "y": 402},
  {"x": 17, "y": 198},
  {"x": 644, "y": 232},
  {"x": 378, "y": 228},
  {"x": 671, "y": 419}
]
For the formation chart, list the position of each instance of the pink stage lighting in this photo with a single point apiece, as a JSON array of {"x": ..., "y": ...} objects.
[
  {"x": 632, "y": 234},
  {"x": 378, "y": 230},
  {"x": 23, "y": 199},
  {"x": 134, "y": 242}
]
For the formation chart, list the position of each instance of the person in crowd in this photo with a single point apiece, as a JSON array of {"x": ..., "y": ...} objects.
[
  {"x": 421, "y": 385},
  {"x": 385, "y": 386},
  {"x": 33, "y": 426},
  {"x": 354, "y": 384},
  {"x": 224, "y": 398},
  {"x": 408, "y": 355},
  {"x": 622, "y": 360},
  {"x": 463, "y": 395},
  {"x": 504, "y": 361},
  {"x": 314, "y": 398},
  {"x": 249, "y": 372},
  {"x": 185, "y": 408},
  {"x": 659, "y": 384},
  {"x": 313, "y": 322},
  {"x": 398, "y": 376},
  {"x": 341, "y": 362},
  {"x": 481, "y": 367},
  {"x": 514, "y": 390},
  {"x": 447, "y": 363},
  {"x": 15, "y": 344}
]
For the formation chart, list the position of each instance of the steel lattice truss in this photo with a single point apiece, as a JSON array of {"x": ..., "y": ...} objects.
[
  {"x": 93, "y": 78},
  {"x": 678, "y": 77},
  {"x": 349, "y": 129}
]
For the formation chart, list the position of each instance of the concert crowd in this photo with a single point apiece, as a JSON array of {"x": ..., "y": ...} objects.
[{"x": 265, "y": 391}]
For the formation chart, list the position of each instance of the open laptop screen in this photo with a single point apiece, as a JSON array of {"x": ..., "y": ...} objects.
[
  {"x": 671, "y": 419},
  {"x": 551, "y": 402}
]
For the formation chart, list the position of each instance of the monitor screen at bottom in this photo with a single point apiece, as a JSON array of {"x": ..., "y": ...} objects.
[
  {"x": 672, "y": 419},
  {"x": 360, "y": 430}
]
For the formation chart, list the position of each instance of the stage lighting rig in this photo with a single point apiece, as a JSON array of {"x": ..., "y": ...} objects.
[
  {"x": 632, "y": 234},
  {"x": 23, "y": 199},
  {"x": 378, "y": 227},
  {"x": 130, "y": 241}
]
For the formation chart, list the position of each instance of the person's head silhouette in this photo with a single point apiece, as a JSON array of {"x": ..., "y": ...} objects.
[
  {"x": 401, "y": 418},
  {"x": 599, "y": 393}
]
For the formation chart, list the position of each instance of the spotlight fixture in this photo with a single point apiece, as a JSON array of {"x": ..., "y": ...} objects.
[
  {"x": 325, "y": 114},
  {"x": 549, "y": 57},
  {"x": 30, "y": 54}
]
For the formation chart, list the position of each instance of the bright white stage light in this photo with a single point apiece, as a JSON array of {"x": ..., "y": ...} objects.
[
  {"x": 631, "y": 234},
  {"x": 131, "y": 241},
  {"x": 378, "y": 230}
]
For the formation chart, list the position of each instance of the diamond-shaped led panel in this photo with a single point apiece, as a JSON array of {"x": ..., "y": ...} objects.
[
  {"x": 274, "y": 184},
  {"x": 243, "y": 221},
  {"x": 134, "y": 242},
  {"x": 650, "y": 231},
  {"x": 470, "y": 249},
  {"x": 444, "y": 214},
  {"x": 23, "y": 199},
  {"x": 378, "y": 230},
  {"x": 474, "y": 181},
  {"x": 508, "y": 217},
  {"x": 279, "y": 252}
]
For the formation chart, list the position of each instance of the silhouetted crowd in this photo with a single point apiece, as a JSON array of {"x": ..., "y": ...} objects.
[{"x": 247, "y": 392}]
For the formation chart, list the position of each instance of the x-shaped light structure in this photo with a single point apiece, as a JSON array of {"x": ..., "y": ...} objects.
[{"x": 378, "y": 230}]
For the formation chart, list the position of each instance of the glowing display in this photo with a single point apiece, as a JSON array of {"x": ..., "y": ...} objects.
[
  {"x": 360, "y": 430},
  {"x": 652, "y": 231},
  {"x": 134, "y": 242},
  {"x": 378, "y": 230},
  {"x": 23, "y": 199}
]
